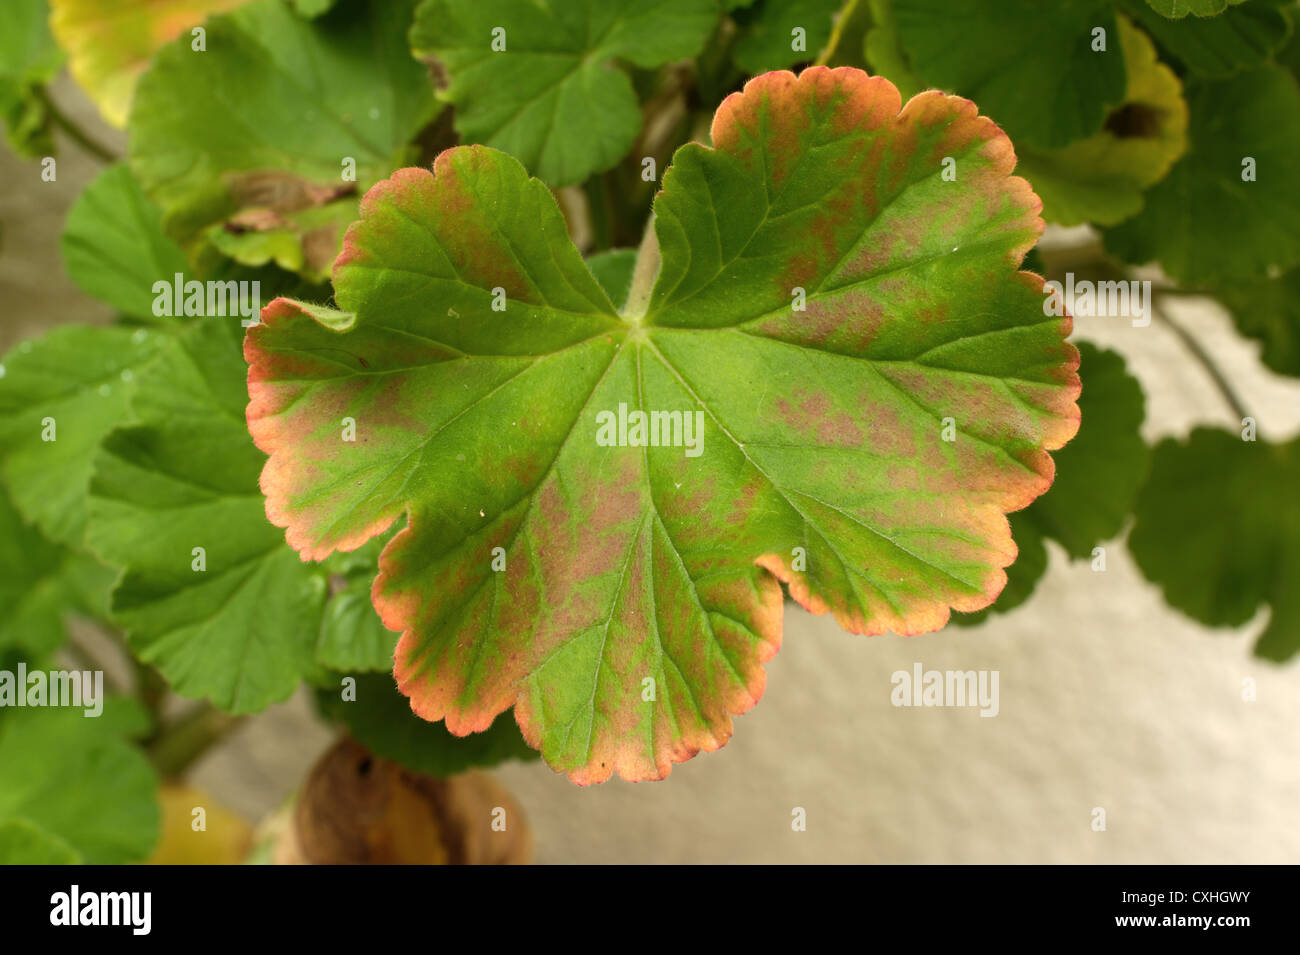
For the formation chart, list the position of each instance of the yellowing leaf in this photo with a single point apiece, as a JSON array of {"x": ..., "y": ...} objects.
[
  {"x": 110, "y": 44},
  {"x": 868, "y": 382}
]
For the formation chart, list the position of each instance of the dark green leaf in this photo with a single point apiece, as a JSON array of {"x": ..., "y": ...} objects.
[
  {"x": 554, "y": 97},
  {"x": 1204, "y": 221},
  {"x": 380, "y": 718},
  {"x": 1218, "y": 529},
  {"x": 1031, "y": 66}
]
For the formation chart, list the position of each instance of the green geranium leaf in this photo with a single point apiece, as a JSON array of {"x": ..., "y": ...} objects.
[
  {"x": 613, "y": 270},
  {"x": 1097, "y": 478},
  {"x": 25, "y": 843},
  {"x": 553, "y": 97},
  {"x": 114, "y": 247},
  {"x": 109, "y": 45},
  {"x": 72, "y": 788},
  {"x": 236, "y": 622},
  {"x": 1101, "y": 179},
  {"x": 1031, "y": 66},
  {"x": 28, "y": 59},
  {"x": 624, "y": 597},
  {"x": 59, "y": 395},
  {"x": 352, "y": 637},
  {"x": 380, "y": 718},
  {"x": 1268, "y": 310},
  {"x": 1218, "y": 529},
  {"x": 40, "y": 582},
  {"x": 770, "y": 37},
  {"x": 883, "y": 50},
  {"x": 1177, "y": 9},
  {"x": 1205, "y": 221},
  {"x": 313, "y": 8},
  {"x": 301, "y": 102},
  {"x": 1243, "y": 37}
]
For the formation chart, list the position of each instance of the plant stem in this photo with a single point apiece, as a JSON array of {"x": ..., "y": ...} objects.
[
  {"x": 151, "y": 688},
  {"x": 837, "y": 32},
  {"x": 182, "y": 743},
  {"x": 643, "y": 276},
  {"x": 87, "y": 660},
  {"x": 72, "y": 130},
  {"x": 1203, "y": 358}
]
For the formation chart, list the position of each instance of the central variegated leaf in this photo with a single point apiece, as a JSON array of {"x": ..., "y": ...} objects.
[{"x": 838, "y": 380}]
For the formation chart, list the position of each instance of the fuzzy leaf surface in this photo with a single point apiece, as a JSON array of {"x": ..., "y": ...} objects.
[
  {"x": 113, "y": 244},
  {"x": 28, "y": 59},
  {"x": 40, "y": 583}
]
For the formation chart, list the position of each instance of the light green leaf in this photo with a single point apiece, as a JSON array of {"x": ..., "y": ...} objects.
[
  {"x": 554, "y": 97},
  {"x": 1031, "y": 66},
  {"x": 74, "y": 784},
  {"x": 59, "y": 395},
  {"x": 25, "y": 843},
  {"x": 113, "y": 245},
  {"x": 28, "y": 60},
  {"x": 313, "y": 8},
  {"x": 241, "y": 630},
  {"x": 109, "y": 45}
]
